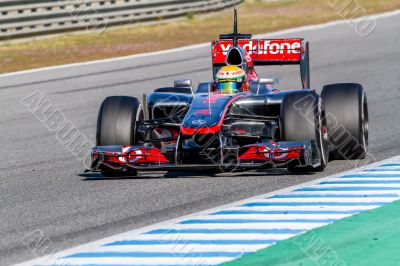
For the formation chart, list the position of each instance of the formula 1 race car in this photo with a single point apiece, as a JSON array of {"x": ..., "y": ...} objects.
[{"x": 238, "y": 121}]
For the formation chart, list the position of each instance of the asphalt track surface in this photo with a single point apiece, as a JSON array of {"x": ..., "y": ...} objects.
[{"x": 43, "y": 188}]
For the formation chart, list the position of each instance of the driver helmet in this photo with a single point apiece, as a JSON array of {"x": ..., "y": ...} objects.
[{"x": 230, "y": 80}]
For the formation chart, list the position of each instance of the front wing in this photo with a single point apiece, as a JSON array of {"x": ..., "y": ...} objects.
[{"x": 255, "y": 156}]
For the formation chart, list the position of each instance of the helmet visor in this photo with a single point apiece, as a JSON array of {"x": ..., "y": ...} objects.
[{"x": 229, "y": 87}]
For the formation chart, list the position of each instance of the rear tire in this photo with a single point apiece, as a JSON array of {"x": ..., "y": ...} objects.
[
  {"x": 117, "y": 124},
  {"x": 347, "y": 118},
  {"x": 303, "y": 118}
]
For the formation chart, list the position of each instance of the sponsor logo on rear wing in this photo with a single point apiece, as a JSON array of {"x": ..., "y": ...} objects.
[{"x": 263, "y": 51}]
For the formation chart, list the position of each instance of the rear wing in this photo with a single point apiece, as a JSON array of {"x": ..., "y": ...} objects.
[{"x": 269, "y": 52}]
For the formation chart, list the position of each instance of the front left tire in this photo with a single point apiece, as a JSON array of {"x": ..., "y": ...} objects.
[
  {"x": 303, "y": 118},
  {"x": 347, "y": 115}
]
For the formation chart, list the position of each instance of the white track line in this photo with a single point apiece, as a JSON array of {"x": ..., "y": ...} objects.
[
  {"x": 202, "y": 45},
  {"x": 196, "y": 261},
  {"x": 183, "y": 237},
  {"x": 276, "y": 216},
  {"x": 181, "y": 248}
]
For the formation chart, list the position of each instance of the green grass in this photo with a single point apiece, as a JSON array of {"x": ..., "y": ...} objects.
[{"x": 369, "y": 238}]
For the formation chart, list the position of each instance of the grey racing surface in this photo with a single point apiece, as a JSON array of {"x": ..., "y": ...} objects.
[{"x": 45, "y": 194}]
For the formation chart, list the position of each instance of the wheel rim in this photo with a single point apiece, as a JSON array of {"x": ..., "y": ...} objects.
[
  {"x": 139, "y": 117},
  {"x": 364, "y": 123},
  {"x": 323, "y": 134}
]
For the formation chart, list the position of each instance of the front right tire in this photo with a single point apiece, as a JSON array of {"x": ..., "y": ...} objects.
[
  {"x": 303, "y": 118},
  {"x": 117, "y": 124}
]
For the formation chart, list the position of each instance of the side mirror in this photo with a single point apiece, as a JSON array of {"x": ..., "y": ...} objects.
[
  {"x": 204, "y": 87},
  {"x": 183, "y": 83}
]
